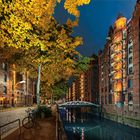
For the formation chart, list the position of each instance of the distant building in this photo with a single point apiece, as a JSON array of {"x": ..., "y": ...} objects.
[
  {"x": 85, "y": 86},
  {"x": 119, "y": 68},
  {"x": 134, "y": 83},
  {"x": 15, "y": 89},
  {"x": 130, "y": 66}
]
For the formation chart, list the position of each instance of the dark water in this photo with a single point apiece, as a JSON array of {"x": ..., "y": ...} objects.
[{"x": 83, "y": 124}]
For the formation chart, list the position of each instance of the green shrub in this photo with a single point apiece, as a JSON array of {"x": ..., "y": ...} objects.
[{"x": 44, "y": 110}]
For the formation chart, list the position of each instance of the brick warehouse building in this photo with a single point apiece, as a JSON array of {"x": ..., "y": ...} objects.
[
  {"x": 15, "y": 89},
  {"x": 136, "y": 56},
  {"x": 119, "y": 70},
  {"x": 85, "y": 86}
]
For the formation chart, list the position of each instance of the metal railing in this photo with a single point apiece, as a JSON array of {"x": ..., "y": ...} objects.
[{"x": 4, "y": 125}]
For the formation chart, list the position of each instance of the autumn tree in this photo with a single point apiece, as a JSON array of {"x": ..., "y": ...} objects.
[{"x": 29, "y": 36}]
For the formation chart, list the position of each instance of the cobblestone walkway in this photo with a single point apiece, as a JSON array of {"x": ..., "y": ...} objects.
[{"x": 46, "y": 132}]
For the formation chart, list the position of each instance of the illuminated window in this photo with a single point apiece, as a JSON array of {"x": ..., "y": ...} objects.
[
  {"x": 118, "y": 75},
  {"x": 118, "y": 57},
  {"x": 118, "y": 66},
  {"x": 117, "y": 38},
  {"x": 118, "y": 48},
  {"x": 117, "y": 86}
]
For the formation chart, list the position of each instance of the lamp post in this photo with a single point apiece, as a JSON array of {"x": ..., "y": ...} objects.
[{"x": 38, "y": 85}]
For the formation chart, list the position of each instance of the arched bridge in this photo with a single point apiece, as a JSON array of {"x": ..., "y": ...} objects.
[{"x": 74, "y": 104}]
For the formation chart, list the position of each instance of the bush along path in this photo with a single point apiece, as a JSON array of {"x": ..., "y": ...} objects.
[{"x": 45, "y": 131}]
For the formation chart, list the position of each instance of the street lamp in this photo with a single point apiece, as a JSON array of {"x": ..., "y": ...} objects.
[
  {"x": 38, "y": 85},
  {"x": 20, "y": 82}
]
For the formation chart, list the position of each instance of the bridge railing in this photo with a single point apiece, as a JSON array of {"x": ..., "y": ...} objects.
[{"x": 78, "y": 103}]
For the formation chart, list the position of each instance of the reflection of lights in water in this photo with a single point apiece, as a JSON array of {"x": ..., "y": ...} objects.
[
  {"x": 67, "y": 115},
  {"x": 74, "y": 130},
  {"x": 82, "y": 120},
  {"x": 73, "y": 118},
  {"x": 82, "y": 136}
]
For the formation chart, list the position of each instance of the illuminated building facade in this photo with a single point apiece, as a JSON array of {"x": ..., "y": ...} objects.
[
  {"x": 119, "y": 69},
  {"x": 82, "y": 90},
  {"x": 117, "y": 61},
  {"x": 5, "y": 85},
  {"x": 112, "y": 65},
  {"x": 104, "y": 69},
  {"x": 94, "y": 78},
  {"x": 85, "y": 87},
  {"x": 15, "y": 89}
]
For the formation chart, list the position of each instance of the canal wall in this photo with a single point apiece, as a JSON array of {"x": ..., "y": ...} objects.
[
  {"x": 60, "y": 132},
  {"x": 123, "y": 116}
]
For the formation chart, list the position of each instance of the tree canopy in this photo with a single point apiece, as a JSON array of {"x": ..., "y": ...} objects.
[{"x": 30, "y": 35}]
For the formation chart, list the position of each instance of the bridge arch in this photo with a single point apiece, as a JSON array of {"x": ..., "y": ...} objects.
[{"x": 74, "y": 104}]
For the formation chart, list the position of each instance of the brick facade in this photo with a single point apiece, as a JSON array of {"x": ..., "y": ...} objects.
[
  {"x": 85, "y": 87},
  {"x": 119, "y": 85},
  {"x": 12, "y": 92},
  {"x": 136, "y": 55}
]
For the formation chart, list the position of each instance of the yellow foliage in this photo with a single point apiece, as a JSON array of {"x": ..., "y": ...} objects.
[
  {"x": 71, "y": 6},
  {"x": 29, "y": 30}
]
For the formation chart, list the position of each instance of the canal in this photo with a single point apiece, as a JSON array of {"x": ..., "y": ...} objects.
[{"x": 86, "y": 124}]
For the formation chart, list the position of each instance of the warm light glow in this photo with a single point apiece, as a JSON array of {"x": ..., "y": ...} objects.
[
  {"x": 82, "y": 97},
  {"x": 118, "y": 48},
  {"x": 15, "y": 99},
  {"x": 82, "y": 76},
  {"x": 117, "y": 38},
  {"x": 117, "y": 97},
  {"x": 117, "y": 66},
  {"x": 118, "y": 86},
  {"x": 1, "y": 98},
  {"x": 118, "y": 75},
  {"x": 118, "y": 57},
  {"x": 120, "y": 23},
  {"x": 82, "y": 90},
  {"x": 73, "y": 92}
]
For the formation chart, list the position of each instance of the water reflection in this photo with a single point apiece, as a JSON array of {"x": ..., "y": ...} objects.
[{"x": 83, "y": 124}]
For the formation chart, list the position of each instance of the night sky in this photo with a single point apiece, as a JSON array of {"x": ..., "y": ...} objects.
[{"x": 95, "y": 20}]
